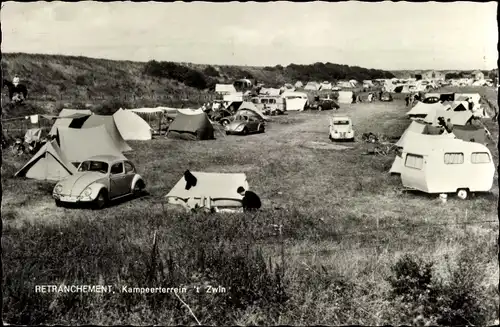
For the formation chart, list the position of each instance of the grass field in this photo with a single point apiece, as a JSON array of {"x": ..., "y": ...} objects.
[{"x": 346, "y": 228}]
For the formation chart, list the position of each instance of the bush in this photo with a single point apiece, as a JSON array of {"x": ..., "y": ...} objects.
[
  {"x": 111, "y": 106},
  {"x": 411, "y": 278},
  {"x": 81, "y": 80},
  {"x": 211, "y": 72},
  {"x": 458, "y": 301},
  {"x": 190, "y": 77}
]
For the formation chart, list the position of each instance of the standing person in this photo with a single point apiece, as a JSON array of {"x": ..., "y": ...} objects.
[
  {"x": 407, "y": 100},
  {"x": 471, "y": 104},
  {"x": 250, "y": 201},
  {"x": 449, "y": 126},
  {"x": 354, "y": 97}
]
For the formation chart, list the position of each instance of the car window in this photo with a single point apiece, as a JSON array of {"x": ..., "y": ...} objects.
[
  {"x": 98, "y": 166},
  {"x": 117, "y": 168},
  {"x": 129, "y": 168}
]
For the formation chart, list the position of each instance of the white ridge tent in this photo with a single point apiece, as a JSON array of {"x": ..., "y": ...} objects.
[
  {"x": 212, "y": 190},
  {"x": 80, "y": 144},
  {"x": 66, "y": 116},
  {"x": 131, "y": 126},
  {"x": 225, "y": 89},
  {"x": 48, "y": 164},
  {"x": 345, "y": 97}
]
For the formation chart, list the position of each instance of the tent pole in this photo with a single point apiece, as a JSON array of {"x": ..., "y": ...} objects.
[{"x": 159, "y": 125}]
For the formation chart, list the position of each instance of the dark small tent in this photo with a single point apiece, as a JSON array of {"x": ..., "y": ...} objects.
[
  {"x": 447, "y": 97},
  {"x": 470, "y": 133},
  {"x": 191, "y": 127}
]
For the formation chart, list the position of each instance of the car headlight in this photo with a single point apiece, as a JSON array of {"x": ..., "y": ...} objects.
[
  {"x": 87, "y": 192},
  {"x": 58, "y": 188}
]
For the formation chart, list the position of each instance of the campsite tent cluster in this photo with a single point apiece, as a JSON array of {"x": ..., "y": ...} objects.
[
  {"x": 78, "y": 134},
  {"x": 432, "y": 160}
]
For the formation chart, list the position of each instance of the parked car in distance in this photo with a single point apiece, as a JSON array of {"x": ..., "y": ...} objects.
[
  {"x": 245, "y": 124},
  {"x": 341, "y": 128},
  {"x": 324, "y": 104},
  {"x": 98, "y": 180},
  {"x": 431, "y": 100}
]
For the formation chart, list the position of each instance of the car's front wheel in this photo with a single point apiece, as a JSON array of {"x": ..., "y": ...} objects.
[
  {"x": 101, "y": 200},
  {"x": 138, "y": 188},
  {"x": 59, "y": 203}
]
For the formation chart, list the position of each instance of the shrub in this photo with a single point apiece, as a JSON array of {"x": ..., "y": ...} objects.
[
  {"x": 211, "y": 71},
  {"x": 190, "y": 77},
  {"x": 411, "y": 278},
  {"x": 81, "y": 80},
  {"x": 111, "y": 106},
  {"x": 458, "y": 301}
]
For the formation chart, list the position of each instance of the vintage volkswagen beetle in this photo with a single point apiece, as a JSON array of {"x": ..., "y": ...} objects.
[{"x": 98, "y": 180}]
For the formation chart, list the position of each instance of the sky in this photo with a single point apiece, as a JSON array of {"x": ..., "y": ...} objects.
[{"x": 383, "y": 35}]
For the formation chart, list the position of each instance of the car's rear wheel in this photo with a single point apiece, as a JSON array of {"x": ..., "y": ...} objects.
[
  {"x": 320, "y": 108},
  {"x": 101, "y": 200},
  {"x": 245, "y": 131}
]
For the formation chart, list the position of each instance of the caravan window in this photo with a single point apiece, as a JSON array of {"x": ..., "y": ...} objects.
[
  {"x": 272, "y": 100},
  {"x": 264, "y": 101},
  {"x": 453, "y": 158},
  {"x": 414, "y": 161},
  {"x": 480, "y": 157}
]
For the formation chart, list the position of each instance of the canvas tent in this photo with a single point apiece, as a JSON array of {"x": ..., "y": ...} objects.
[
  {"x": 440, "y": 164},
  {"x": 225, "y": 89},
  {"x": 312, "y": 86},
  {"x": 66, "y": 116},
  {"x": 48, "y": 164},
  {"x": 191, "y": 126},
  {"x": 421, "y": 110},
  {"x": 212, "y": 190},
  {"x": 298, "y": 84},
  {"x": 131, "y": 126},
  {"x": 345, "y": 97},
  {"x": 252, "y": 109},
  {"x": 109, "y": 123},
  {"x": 326, "y": 86},
  {"x": 471, "y": 133},
  {"x": 80, "y": 144},
  {"x": 89, "y": 121}
]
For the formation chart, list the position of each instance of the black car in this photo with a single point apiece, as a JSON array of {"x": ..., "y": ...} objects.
[{"x": 324, "y": 104}]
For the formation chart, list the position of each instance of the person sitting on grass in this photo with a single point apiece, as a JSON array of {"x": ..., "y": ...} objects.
[{"x": 251, "y": 201}]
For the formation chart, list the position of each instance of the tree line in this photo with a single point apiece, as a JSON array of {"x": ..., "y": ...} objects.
[{"x": 208, "y": 77}]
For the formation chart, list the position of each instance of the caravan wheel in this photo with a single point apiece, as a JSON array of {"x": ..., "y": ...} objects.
[{"x": 462, "y": 194}]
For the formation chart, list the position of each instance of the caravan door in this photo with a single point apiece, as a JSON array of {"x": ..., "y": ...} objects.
[{"x": 413, "y": 173}]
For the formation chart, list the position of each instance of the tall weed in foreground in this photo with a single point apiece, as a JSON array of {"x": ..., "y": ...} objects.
[{"x": 420, "y": 297}]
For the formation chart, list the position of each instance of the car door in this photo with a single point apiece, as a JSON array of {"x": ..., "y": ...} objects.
[
  {"x": 252, "y": 124},
  {"x": 129, "y": 174},
  {"x": 117, "y": 180}
]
